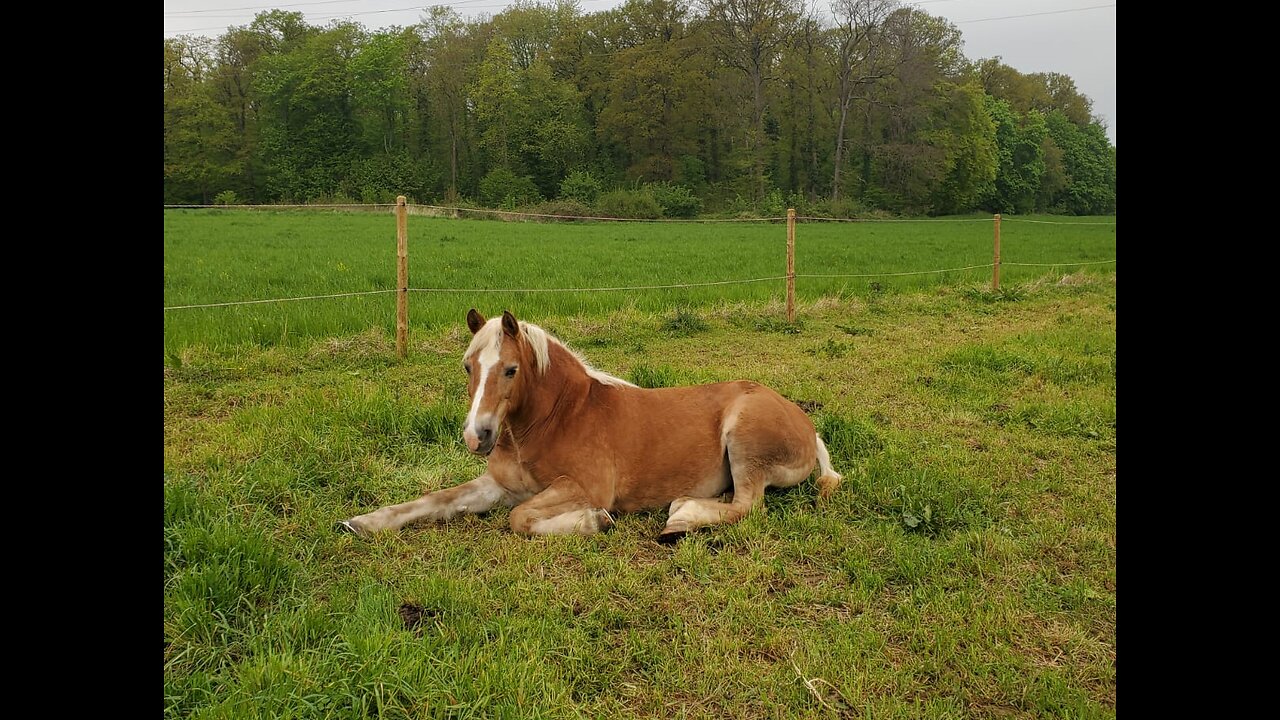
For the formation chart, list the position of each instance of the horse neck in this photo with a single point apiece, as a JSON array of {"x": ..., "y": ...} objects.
[{"x": 561, "y": 388}]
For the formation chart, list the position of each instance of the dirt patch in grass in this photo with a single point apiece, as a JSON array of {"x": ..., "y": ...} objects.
[{"x": 414, "y": 616}]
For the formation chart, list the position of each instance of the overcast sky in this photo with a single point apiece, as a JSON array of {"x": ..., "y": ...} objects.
[{"x": 1081, "y": 43}]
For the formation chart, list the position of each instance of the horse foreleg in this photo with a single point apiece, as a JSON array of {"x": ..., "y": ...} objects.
[
  {"x": 562, "y": 509},
  {"x": 477, "y": 496}
]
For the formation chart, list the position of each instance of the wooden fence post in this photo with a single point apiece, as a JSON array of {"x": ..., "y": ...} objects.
[
  {"x": 995, "y": 267},
  {"x": 402, "y": 277},
  {"x": 791, "y": 265}
]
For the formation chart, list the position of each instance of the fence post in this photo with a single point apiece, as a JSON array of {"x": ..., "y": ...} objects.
[
  {"x": 791, "y": 265},
  {"x": 995, "y": 266},
  {"x": 402, "y": 277}
]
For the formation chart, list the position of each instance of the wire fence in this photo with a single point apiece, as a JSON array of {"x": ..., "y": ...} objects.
[{"x": 790, "y": 277}]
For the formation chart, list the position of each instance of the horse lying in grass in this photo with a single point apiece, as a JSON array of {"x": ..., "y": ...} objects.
[{"x": 568, "y": 444}]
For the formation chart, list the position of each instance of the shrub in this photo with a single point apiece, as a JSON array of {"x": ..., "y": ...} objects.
[
  {"x": 676, "y": 200},
  {"x": 559, "y": 207},
  {"x": 503, "y": 188},
  {"x": 773, "y": 205},
  {"x": 226, "y": 197},
  {"x": 640, "y": 204},
  {"x": 380, "y": 178},
  {"x": 582, "y": 186}
]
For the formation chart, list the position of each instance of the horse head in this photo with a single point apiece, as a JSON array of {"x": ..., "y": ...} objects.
[{"x": 496, "y": 364}]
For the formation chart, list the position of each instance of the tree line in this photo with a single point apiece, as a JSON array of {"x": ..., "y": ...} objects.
[{"x": 657, "y": 107}]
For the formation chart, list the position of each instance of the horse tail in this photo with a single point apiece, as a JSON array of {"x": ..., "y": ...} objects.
[{"x": 829, "y": 480}]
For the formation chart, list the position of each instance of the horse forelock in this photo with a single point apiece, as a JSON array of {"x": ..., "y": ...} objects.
[{"x": 490, "y": 337}]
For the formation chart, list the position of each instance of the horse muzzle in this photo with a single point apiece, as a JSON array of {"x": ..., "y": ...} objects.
[{"x": 480, "y": 439}]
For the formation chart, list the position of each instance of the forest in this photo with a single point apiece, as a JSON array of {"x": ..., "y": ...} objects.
[{"x": 656, "y": 108}]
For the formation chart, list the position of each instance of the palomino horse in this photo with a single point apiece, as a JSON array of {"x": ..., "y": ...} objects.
[{"x": 568, "y": 445}]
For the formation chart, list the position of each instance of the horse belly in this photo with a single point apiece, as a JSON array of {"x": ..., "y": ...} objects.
[{"x": 679, "y": 451}]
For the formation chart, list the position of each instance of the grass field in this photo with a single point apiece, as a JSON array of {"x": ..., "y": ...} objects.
[
  {"x": 223, "y": 255},
  {"x": 966, "y": 567}
]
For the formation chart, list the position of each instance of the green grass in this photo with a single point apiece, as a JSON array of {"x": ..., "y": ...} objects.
[
  {"x": 965, "y": 568},
  {"x": 225, "y": 255}
]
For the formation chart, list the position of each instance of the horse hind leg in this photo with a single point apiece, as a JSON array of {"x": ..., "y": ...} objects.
[
  {"x": 749, "y": 482},
  {"x": 829, "y": 479}
]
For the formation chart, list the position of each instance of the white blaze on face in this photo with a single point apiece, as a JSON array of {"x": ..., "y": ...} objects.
[{"x": 490, "y": 340}]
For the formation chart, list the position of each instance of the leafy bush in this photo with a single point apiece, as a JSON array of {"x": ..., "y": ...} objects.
[
  {"x": 503, "y": 188},
  {"x": 640, "y": 204},
  {"x": 559, "y": 207},
  {"x": 676, "y": 200},
  {"x": 582, "y": 186},
  {"x": 226, "y": 197},
  {"x": 773, "y": 205},
  {"x": 379, "y": 179},
  {"x": 692, "y": 172}
]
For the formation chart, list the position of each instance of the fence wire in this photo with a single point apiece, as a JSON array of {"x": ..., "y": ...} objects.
[
  {"x": 1053, "y": 222},
  {"x": 672, "y": 286},
  {"x": 329, "y": 206},
  {"x": 627, "y": 288},
  {"x": 276, "y": 300},
  {"x": 598, "y": 218}
]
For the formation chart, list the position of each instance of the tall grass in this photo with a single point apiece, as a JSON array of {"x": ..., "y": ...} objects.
[
  {"x": 226, "y": 255},
  {"x": 966, "y": 566}
]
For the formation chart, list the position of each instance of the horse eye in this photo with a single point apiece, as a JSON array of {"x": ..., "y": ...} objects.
[{"x": 511, "y": 372}]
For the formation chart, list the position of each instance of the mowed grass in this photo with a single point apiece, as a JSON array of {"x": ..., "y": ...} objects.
[
  {"x": 228, "y": 255},
  {"x": 965, "y": 568}
]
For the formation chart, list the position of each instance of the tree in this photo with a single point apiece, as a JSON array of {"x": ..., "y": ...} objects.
[
  {"x": 1020, "y": 149},
  {"x": 656, "y": 92},
  {"x": 731, "y": 99},
  {"x": 747, "y": 35},
  {"x": 496, "y": 97},
  {"x": 198, "y": 133},
  {"x": 859, "y": 59},
  {"x": 449, "y": 51},
  {"x": 1088, "y": 163}
]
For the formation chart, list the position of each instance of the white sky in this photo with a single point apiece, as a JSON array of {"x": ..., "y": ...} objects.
[{"x": 1081, "y": 44}]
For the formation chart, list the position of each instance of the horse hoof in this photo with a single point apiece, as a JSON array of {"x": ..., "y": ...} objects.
[
  {"x": 670, "y": 535},
  {"x": 348, "y": 526},
  {"x": 604, "y": 520}
]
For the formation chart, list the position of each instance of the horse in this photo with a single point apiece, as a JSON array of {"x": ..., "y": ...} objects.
[{"x": 568, "y": 446}]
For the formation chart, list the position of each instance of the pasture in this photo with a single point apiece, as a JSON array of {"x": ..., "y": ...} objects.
[
  {"x": 223, "y": 255},
  {"x": 966, "y": 567}
]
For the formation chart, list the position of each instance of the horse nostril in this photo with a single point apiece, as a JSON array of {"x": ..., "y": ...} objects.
[{"x": 485, "y": 434}]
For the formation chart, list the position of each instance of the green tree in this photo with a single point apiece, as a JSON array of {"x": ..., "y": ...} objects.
[
  {"x": 859, "y": 58},
  {"x": 1089, "y": 166},
  {"x": 724, "y": 104},
  {"x": 1020, "y": 144},
  {"x": 748, "y": 36},
  {"x": 199, "y": 157},
  {"x": 449, "y": 52},
  {"x": 656, "y": 91}
]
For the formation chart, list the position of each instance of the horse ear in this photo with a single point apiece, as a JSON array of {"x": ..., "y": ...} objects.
[
  {"x": 509, "y": 324},
  {"x": 475, "y": 321}
]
